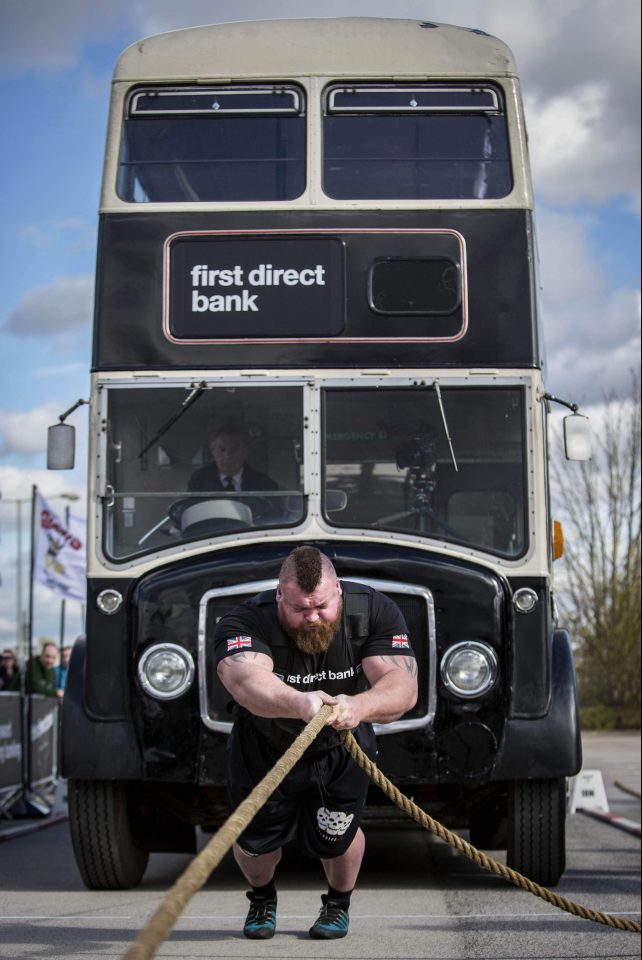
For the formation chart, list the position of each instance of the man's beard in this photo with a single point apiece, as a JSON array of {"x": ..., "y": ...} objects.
[{"x": 314, "y": 637}]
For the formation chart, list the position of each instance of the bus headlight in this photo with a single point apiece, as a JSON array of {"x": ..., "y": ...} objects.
[
  {"x": 166, "y": 671},
  {"x": 469, "y": 669}
]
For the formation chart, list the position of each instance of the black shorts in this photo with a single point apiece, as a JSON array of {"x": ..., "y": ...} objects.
[{"x": 318, "y": 806}]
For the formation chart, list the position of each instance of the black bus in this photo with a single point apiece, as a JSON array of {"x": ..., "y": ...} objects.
[{"x": 321, "y": 232}]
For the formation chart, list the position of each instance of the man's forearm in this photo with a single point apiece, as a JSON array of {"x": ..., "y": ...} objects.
[
  {"x": 390, "y": 695},
  {"x": 260, "y": 691}
]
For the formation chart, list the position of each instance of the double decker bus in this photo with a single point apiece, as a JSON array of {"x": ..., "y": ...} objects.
[{"x": 321, "y": 232}]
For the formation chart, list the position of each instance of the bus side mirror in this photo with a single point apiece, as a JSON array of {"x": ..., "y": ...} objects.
[
  {"x": 577, "y": 437},
  {"x": 61, "y": 447}
]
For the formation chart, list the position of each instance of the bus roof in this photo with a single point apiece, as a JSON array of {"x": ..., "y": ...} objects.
[{"x": 342, "y": 47}]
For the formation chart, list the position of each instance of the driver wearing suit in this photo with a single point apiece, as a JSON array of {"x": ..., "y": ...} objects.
[
  {"x": 229, "y": 471},
  {"x": 282, "y": 655}
]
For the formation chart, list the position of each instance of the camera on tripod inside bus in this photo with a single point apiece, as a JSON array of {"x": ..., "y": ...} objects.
[{"x": 417, "y": 454}]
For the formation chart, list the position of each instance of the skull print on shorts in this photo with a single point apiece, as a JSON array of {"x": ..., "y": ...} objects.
[{"x": 333, "y": 822}]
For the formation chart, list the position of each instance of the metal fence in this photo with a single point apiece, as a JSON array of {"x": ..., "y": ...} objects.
[{"x": 28, "y": 765}]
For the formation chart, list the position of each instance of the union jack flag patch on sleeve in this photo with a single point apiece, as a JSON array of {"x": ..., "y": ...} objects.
[
  {"x": 238, "y": 643},
  {"x": 400, "y": 642}
]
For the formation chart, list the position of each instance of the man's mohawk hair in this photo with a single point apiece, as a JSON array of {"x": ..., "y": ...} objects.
[{"x": 306, "y": 566}]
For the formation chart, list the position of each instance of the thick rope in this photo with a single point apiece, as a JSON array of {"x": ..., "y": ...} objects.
[
  {"x": 471, "y": 852},
  {"x": 190, "y": 882}
]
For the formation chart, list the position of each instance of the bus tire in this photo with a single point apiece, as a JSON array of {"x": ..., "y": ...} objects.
[
  {"x": 105, "y": 847},
  {"x": 537, "y": 829}
]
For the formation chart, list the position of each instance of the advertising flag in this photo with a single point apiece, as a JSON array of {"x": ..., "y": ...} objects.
[{"x": 59, "y": 552}]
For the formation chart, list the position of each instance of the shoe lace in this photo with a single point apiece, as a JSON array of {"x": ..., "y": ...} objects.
[
  {"x": 261, "y": 909},
  {"x": 331, "y": 913}
]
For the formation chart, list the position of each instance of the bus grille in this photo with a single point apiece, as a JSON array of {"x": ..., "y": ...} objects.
[{"x": 416, "y": 607}]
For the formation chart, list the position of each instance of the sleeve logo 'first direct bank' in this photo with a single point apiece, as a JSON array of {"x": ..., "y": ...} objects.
[{"x": 238, "y": 288}]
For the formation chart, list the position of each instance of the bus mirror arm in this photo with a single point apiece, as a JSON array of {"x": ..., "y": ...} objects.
[{"x": 565, "y": 403}]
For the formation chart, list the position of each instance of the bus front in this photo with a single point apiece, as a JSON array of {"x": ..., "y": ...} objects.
[{"x": 320, "y": 263}]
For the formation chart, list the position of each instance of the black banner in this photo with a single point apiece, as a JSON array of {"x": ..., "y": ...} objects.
[
  {"x": 255, "y": 288},
  {"x": 44, "y": 735},
  {"x": 10, "y": 741}
]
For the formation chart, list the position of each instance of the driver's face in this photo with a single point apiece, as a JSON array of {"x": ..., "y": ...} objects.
[{"x": 229, "y": 452}]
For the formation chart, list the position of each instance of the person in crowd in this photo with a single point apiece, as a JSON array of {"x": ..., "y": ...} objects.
[
  {"x": 61, "y": 671},
  {"x": 9, "y": 672},
  {"x": 41, "y": 673},
  {"x": 282, "y": 655}
]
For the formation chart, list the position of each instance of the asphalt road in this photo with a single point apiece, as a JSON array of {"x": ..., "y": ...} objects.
[{"x": 417, "y": 898}]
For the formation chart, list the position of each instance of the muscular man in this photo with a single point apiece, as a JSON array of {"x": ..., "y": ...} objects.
[{"x": 282, "y": 655}]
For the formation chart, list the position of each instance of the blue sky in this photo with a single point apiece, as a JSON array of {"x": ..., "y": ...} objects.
[{"x": 579, "y": 61}]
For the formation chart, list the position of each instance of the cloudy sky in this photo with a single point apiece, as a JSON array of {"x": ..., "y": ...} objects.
[{"x": 579, "y": 61}]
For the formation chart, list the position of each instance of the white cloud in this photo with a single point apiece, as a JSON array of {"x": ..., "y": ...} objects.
[
  {"x": 62, "y": 305},
  {"x": 588, "y": 376},
  {"x": 592, "y": 331},
  {"x": 16, "y": 484},
  {"x": 25, "y": 432},
  {"x": 569, "y": 271},
  {"x": 575, "y": 153}
]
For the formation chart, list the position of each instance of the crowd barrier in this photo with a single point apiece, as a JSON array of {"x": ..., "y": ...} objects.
[{"x": 27, "y": 775}]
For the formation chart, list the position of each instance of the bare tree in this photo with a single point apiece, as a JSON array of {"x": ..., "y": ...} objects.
[{"x": 598, "y": 502}]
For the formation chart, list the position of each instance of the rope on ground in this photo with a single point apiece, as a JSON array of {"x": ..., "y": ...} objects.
[
  {"x": 190, "y": 882},
  {"x": 471, "y": 852},
  {"x": 621, "y": 786}
]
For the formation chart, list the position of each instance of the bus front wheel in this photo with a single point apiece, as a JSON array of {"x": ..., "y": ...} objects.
[
  {"x": 107, "y": 851},
  {"x": 537, "y": 829}
]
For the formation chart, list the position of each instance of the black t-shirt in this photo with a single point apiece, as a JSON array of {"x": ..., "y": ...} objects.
[{"x": 372, "y": 625}]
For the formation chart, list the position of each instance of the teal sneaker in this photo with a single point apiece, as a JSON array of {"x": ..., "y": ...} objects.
[
  {"x": 260, "y": 922},
  {"x": 332, "y": 923}
]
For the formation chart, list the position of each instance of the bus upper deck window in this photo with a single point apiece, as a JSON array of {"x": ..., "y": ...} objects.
[
  {"x": 423, "y": 142},
  {"x": 213, "y": 144}
]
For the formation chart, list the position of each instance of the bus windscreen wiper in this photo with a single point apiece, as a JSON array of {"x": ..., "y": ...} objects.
[
  {"x": 443, "y": 420},
  {"x": 193, "y": 396}
]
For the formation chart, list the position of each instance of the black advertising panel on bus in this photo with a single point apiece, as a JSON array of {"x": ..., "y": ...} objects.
[
  {"x": 231, "y": 288},
  {"x": 222, "y": 288},
  {"x": 439, "y": 288}
]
